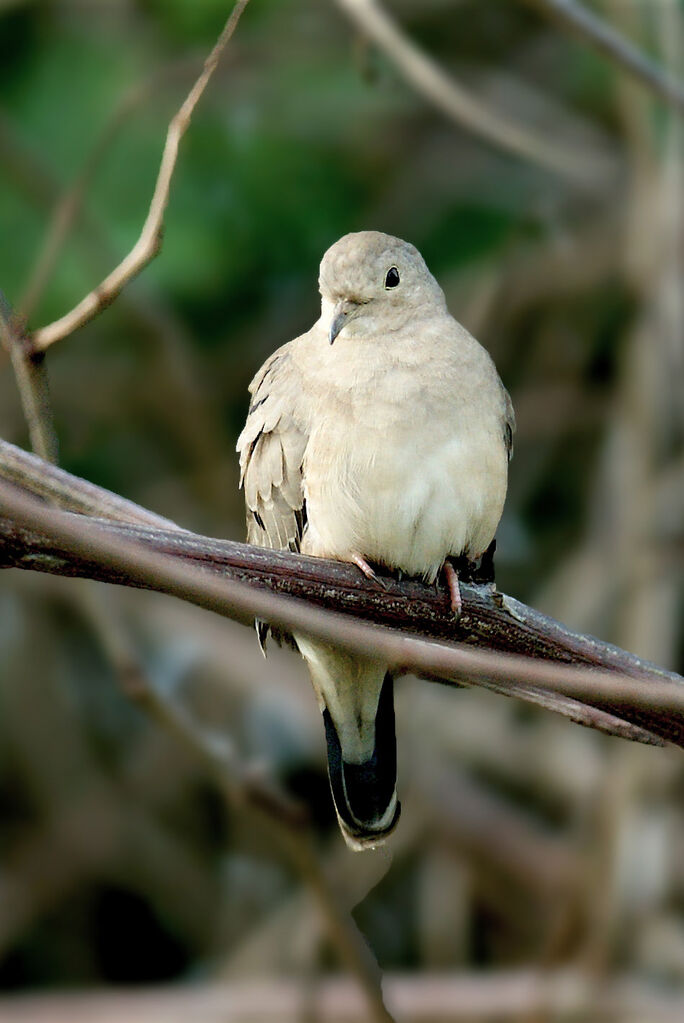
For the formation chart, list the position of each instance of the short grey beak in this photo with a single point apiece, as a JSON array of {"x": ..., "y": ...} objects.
[{"x": 341, "y": 313}]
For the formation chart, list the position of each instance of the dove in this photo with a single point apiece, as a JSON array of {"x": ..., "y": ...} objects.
[{"x": 381, "y": 437}]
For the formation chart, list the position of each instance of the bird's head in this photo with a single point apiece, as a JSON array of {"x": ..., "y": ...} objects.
[{"x": 372, "y": 284}]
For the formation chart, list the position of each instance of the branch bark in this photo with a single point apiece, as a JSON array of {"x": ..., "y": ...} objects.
[
  {"x": 505, "y": 646},
  {"x": 149, "y": 242},
  {"x": 285, "y": 819}
]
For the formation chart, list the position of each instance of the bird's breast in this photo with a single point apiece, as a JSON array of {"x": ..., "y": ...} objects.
[{"x": 402, "y": 482}]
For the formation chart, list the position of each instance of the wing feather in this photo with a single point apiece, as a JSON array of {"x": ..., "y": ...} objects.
[
  {"x": 271, "y": 450},
  {"x": 509, "y": 423}
]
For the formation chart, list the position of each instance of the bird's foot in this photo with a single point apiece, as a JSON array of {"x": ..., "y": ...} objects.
[
  {"x": 451, "y": 576},
  {"x": 368, "y": 571}
]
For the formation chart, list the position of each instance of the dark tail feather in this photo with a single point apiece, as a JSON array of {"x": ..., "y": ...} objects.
[{"x": 365, "y": 794}]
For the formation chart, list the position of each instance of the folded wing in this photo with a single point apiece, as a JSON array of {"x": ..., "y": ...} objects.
[{"x": 271, "y": 448}]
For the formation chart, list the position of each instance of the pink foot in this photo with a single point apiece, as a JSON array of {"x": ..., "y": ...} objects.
[
  {"x": 451, "y": 576},
  {"x": 367, "y": 570}
]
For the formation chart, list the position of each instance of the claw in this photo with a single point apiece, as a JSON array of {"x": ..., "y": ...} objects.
[
  {"x": 368, "y": 571},
  {"x": 451, "y": 576}
]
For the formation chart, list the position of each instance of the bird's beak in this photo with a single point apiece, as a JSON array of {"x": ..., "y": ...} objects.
[{"x": 342, "y": 312}]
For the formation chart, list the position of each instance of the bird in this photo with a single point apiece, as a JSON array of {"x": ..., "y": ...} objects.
[{"x": 380, "y": 437}]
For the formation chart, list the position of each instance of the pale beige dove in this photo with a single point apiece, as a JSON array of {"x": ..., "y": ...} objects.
[{"x": 380, "y": 436}]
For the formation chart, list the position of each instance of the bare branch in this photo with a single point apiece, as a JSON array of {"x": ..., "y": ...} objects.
[
  {"x": 32, "y": 383},
  {"x": 70, "y": 492},
  {"x": 284, "y": 819},
  {"x": 540, "y": 993},
  {"x": 149, "y": 242},
  {"x": 68, "y": 205},
  {"x": 459, "y": 104},
  {"x": 241, "y": 788},
  {"x": 627, "y": 697},
  {"x": 588, "y": 27}
]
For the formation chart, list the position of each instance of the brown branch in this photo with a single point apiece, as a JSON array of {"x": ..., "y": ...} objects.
[
  {"x": 32, "y": 382},
  {"x": 284, "y": 819},
  {"x": 240, "y": 787},
  {"x": 563, "y": 996},
  {"x": 69, "y": 204},
  {"x": 626, "y": 697},
  {"x": 149, "y": 242},
  {"x": 71, "y": 492},
  {"x": 461, "y": 106},
  {"x": 341, "y": 927},
  {"x": 588, "y": 27}
]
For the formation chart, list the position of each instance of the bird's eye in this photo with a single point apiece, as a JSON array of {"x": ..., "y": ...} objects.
[{"x": 392, "y": 278}]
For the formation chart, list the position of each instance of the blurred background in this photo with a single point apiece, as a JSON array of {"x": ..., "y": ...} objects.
[{"x": 526, "y": 843}]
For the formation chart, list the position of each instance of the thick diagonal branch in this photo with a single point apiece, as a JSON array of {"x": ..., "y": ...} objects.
[{"x": 544, "y": 662}]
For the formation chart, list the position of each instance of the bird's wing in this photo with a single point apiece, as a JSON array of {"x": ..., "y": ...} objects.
[
  {"x": 508, "y": 423},
  {"x": 271, "y": 448}
]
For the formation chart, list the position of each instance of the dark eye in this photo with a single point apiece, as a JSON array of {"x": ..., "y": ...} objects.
[{"x": 392, "y": 278}]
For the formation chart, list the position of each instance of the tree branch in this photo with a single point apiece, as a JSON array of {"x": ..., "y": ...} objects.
[
  {"x": 519, "y": 651},
  {"x": 71, "y": 492},
  {"x": 149, "y": 242},
  {"x": 588, "y": 27},
  {"x": 561, "y": 996},
  {"x": 465, "y": 109},
  {"x": 285, "y": 821},
  {"x": 68, "y": 205},
  {"x": 32, "y": 383}
]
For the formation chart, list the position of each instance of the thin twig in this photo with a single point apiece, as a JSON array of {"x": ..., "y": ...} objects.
[
  {"x": 459, "y": 104},
  {"x": 285, "y": 821},
  {"x": 149, "y": 242},
  {"x": 648, "y": 706},
  {"x": 354, "y": 952},
  {"x": 67, "y": 208},
  {"x": 32, "y": 382},
  {"x": 591, "y": 29}
]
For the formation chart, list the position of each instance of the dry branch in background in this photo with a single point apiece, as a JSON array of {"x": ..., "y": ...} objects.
[
  {"x": 465, "y": 109},
  {"x": 626, "y": 697},
  {"x": 285, "y": 821},
  {"x": 588, "y": 27},
  {"x": 149, "y": 242},
  {"x": 68, "y": 206},
  {"x": 32, "y": 382},
  {"x": 552, "y": 995}
]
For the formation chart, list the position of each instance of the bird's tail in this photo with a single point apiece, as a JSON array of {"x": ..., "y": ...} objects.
[
  {"x": 357, "y": 700},
  {"x": 365, "y": 793}
]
